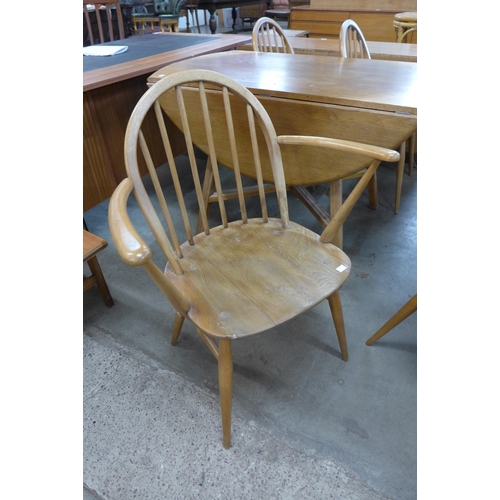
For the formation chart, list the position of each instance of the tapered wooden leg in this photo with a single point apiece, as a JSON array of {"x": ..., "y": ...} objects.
[
  {"x": 373, "y": 192},
  {"x": 335, "y": 204},
  {"x": 409, "y": 308},
  {"x": 411, "y": 160},
  {"x": 225, "y": 388},
  {"x": 399, "y": 176},
  {"x": 178, "y": 322},
  {"x": 338, "y": 321}
]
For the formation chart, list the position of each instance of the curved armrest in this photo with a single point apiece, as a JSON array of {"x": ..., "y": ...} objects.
[
  {"x": 131, "y": 247},
  {"x": 375, "y": 152}
]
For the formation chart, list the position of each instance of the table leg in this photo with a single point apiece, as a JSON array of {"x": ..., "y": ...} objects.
[{"x": 212, "y": 23}]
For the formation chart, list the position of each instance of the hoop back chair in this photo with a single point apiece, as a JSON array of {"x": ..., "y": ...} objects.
[
  {"x": 105, "y": 29},
  {"x": 353, "y": 45},
  {"x": 235, "y": 278},
  {"x": 352, "y": 41},
  {"x": 267, "y": 36}
]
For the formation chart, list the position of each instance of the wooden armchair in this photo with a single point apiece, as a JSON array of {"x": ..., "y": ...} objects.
[
  {"x": 235, "y": 278},
  {"x": 166, "y": 15},
  {"x": 108, "y": 18},
  {"x": 267, "y": 36}
]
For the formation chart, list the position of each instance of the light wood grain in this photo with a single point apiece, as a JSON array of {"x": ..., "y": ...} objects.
[
  {"x": 235, "y": 278},
  {"x": 376, "y": 85},
  {"x": 389, "y": 51}
]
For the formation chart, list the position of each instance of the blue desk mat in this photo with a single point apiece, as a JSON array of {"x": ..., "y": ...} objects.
[{"x": 142, "y": 46}]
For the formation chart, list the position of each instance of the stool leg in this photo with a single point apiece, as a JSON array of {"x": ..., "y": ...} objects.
[{"x": 101, "y": 282}]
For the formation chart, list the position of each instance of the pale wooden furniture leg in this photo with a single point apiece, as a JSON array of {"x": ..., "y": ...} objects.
[
  {"x": 335, "y": 204},
  {"x": 413, "y": 140},
  {"x": 178, "y": 322},
  {"x": 338, "y": 320},
  {"x": 225, "y": 388},
  {"x": 409, "y": 308},
  {"x": 399, "y": 176},
  {"x": 373, "y": 192}
]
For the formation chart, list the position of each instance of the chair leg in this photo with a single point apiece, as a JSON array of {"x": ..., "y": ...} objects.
[
  {"x": 399, "y": 176},
  {"x": 100, "y": 281},
  {"x": 335, "y": 204},
  {"x": 409, "y": 308},
  {"x": 338, "y": 320},
  {"x": 411, "y": 160},
  {"x": 373, "y": 192},
  {"x": 178, "y": 322},
  {"x": 225, "y": 388}
]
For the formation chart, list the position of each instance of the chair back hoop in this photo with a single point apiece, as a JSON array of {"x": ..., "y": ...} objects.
[
  {"x": 352, "y": 41},
  {"x": 104, "y": 26},
  {"x": 204, "y": 105},
  {"x": 268, "y": 36}
]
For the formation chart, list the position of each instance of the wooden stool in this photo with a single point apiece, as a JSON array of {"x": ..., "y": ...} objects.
[
  {"x": 92, "y": 245},
  {"x": 404, "y": 23}
]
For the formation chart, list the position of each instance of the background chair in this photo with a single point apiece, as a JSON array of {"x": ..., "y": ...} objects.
[
  {"x": 353, "y": 45},
  {"x": 92, "y": 245},
  {"x": 407, "y": 310},
  {"x": 235, "y": 278},
  {"x": 268, "y": 36},
  {"x": 108, "y": 19},
  {"x": 165, "y": 15},
  {"x": 405, "y": 24},
  {"x": 352, "y": 42},
  {"x": 191, "y": 7},
  {"x": 280, "y": 9}
]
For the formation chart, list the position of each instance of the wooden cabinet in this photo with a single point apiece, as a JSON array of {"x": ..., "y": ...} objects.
[{"x": 323, "y": 18}]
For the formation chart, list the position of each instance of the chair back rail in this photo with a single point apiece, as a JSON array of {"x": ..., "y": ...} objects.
[
  {"x": 267, "y": 36},
  {"x": 192, "y": 125},
  {"x": 352, "y": 41},
  {"x": 110, "y": 6}
]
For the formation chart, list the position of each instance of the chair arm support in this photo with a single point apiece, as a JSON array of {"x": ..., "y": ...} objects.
[
  {"x": 375, "y": 152},
  {"x": 131, "y": 247}
]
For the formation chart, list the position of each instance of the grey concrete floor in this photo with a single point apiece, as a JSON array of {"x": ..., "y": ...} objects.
[{"x": 305, "y": 423}]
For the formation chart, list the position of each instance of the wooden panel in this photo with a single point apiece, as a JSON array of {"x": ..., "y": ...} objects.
[
  {"x": 106, "y": 114},
  {"x": 319, "y": 15},
  {"x": 318, "y": 30},
  {"x": 399, "y": 5},
  {"x": 322, "y": 22},
  {"x": 375, "y": 26}
]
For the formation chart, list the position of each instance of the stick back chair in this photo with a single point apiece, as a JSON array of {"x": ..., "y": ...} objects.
[
  {"x": 268, "y": 36},
  {"x": 353, "y": 45},
  {"x": 234, "y": 278},
  {"x": 105, "y": 28},
  {"x": 352, "y": 41}
]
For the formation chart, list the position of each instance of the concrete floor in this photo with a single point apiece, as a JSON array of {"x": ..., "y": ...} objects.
[{"x": 305, "y": 423}]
